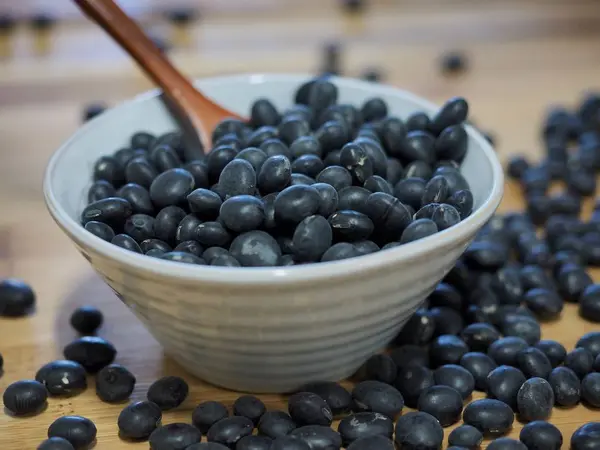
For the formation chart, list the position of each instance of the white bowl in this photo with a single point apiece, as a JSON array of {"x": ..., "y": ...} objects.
[{"x": 265, "y": 329}]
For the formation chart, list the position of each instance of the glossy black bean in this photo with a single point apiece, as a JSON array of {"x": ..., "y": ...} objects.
[
  {"x": 306, "y": 145},
  {"x": 388, "y": 213},
  {"x": 375, "y": 396},
  {"x": 140, "y": 227},
  {"x": 262, "y": 113},
  {"x": 456, "y": 181},
  {"x": 376, "y": 155},
  {"x": 238, "y": 178},
  {"x": 312, "y": 237},
  {"x": 412, "y": 380},
  {"x": 554, "y": 351},
  {"x": 300, "y": 178},
  {"x": 504, "y": 350},
  {"x": 226, "y": 126},
  {"x": 255, "y": 248},
  {"x": 466, "y": 436},
  {"x": 143, "y": 140},
  {"x": 127, "y": 242},
  {"x": 426, "y": 212},
  {"x": 114, "y": 383},
  {"x": 365, "y": 424},
  {"x": 590, "y": 389},
  {"x": 572, "y": 281},
  {"x": 25, "y": 397},
  {"x": 182, "y": 257},
  {"x": 250, "y": 407},
  {"x": 62, "y": 377},
  {"x": 212, "y": 234},
  {"x": 442, "y": 402},
  {"x": 275, "y": 174},
  {"x": 164, "y": 158},
  {"x": 418, "y": 430},
  {"x": 447, "y": 320},
  {"x": 589, "y": 303},
  {"x": 445, "y": 216},
  {"x": 393, "y": 132},
  {"x": 545, "y": 303},
  {"x": 521, "y": 326},
  {"x": 186, "y": 230},
  {"x": 410, "y": 191},
  {"x": 55, "y": 443},
  {"x": 176, "y": 436},
  {"x": 262, "y": 134},
  {"x": 108, "y": 168},
  {"x": 376, "y": 183},
  {"x": 479, "y": 336},
  {"x": 453, "y": 112},
  {"x": 417, "y": 146},
  {"x": 112, "y": 211},
  {"x": 462, "y": 201},
  {"x": 348, "y": 225},
  {"x": 101, "y": 230},
  {"x": 540, "y": 435},
  {"x": 374, "y": 109},
  {"x": 204, "y": 203},
  {"x": 353, "y": 198},
  {"x": 124, "y": 155},
  {"x": 154, "y": 244},
  {"x": 535, "y": 400},
  {"x": 295, "y": 203},
  {"x": 166, "y": 223},
  {"x": 289, "y": 443},
  {"x": 533, "y": 276},
  {"x": 254, "y": 443},
  {"x": 591, "y": 342},
  {"x": 318, "y": 437},
  {"x": 336, "y": 176},
  {"x": 206, "y": 414},
  {"x": 79, "y": 431},
  {"x": 292, "y": 128},
  {"x": 418, "y": 330},
  {"x": 436, "y": 191},
  {"x": 452, "y": 143},
  {"x": 479, "y": 366},
  {"x": 173, "y": 139},
  {"x": 190, "y": 246},
  {"x": 138, "y": 197},
  {"x": 274, "y": 147},
  {"x": 100, "y": 190},
  {"x": 491, "y": 417},
  {"x": 580, "y": 361},
  {"x": 307, "y": 408},
  {"x": 242, "y": 213},
  {"x": 310, "y": 165},
  {"x": 418, "y": 229},
  {"x": 168, "y": 392},
  {"x": 171, "y": 188},
  {"x": 255, "y": 156},
  {"x": 586, "y": 437},
  {"x": 356, "y": 160},
  {"x": 336, "y": 396},
  {"x": 505, "y": 443},
  {"x": 92, "y": 352},
  {"x": 140, "y": 171},
  {"x": 217, "y": 159},
  {"x": 447, "y": 349},
  {"x": 394, "y": 171},
  {"x": 534, "y": 363},
  {"x": 418, "y": 169}
]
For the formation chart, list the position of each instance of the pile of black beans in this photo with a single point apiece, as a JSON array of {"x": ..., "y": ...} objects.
[
  {"x": 479, "y": 330},
  {"x": 320, "y": 181}
]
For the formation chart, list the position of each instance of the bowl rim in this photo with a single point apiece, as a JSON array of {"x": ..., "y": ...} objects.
[{"x": 274, "y": 275}]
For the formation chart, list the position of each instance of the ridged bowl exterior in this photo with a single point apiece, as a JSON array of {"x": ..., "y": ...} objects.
[{"x": 265, "y": 329}]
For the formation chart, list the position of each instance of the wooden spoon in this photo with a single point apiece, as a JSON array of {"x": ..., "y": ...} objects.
[{"x": 196, "y": 113}]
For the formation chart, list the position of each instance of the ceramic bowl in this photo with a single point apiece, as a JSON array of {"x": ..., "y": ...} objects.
[{"x": 265, "y": 329}]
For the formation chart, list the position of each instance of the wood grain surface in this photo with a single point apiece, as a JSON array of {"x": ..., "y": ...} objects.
[{"x": 523, "y": 56}]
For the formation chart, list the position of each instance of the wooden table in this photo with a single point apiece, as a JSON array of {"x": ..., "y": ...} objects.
[{"x": 523, "y": 56}]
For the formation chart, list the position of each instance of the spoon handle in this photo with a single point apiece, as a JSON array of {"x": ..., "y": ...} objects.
[{"x": 130, "y": 37}]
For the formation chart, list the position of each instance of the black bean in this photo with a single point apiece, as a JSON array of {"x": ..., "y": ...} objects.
[
  {"x": 312, "y": 238},
  {"x": 295, "y": 203},
  {"x": 586, "y": 437},
  {"x": 364, "y": 424},
  {"x": 456, "y": 181},
  {"x": 375, "y": 396},
  {"x": 217, "y": 159},
  {"x": 412, "y": 380},
  {"x": 166, "y": 222},
  {"x": 289, "y": 443},
  {"x": 262, "y": 134},
  {"x": 480, "y": 366},
  {"x": 175, "y": 436},
  {"x": 418, "y": 229},
  {"x": 225, "y": 261},
  {"x": 356, "y": 160},
  {"x": 291, "y": 129},
  {"x": 418, "y": 330},
  {"x": 242, "y": 213},
  {"x": 55, "y": 443},
  {"x": 418, "y": 169},
  {"x": 307, "y": 408},
  {"x": 255, "y": 156},
  {"x": 376, "y": 442},
  {"x": 505, "y": 443},
  {"x": 262, "y": 113},
  {"x": 138, "y": 420},
  {"x": 171, "y": 187},
  {"x": 462, "y": 201},
  {"x": 62, "y": 377},
  {"x": 465, "y": 436},
  {"x": 418, "y": 430},
  {"x": 309, "y": 165},
  {"x": 382, "y": 368},
  {"x": 186, "y": 230},
  {"x": 417, "y": 146},
  {"x": 590, "y": 389},
  {"x": 274, "y": 147},
  {"x": 479, "y": 336},
  {"x": 447, "y": 321},
  {"x": 138, "y": 197},
  {"x": 591, "y": 342},
  {"x": 452, "y": 143},
  {"x": 353, "y": 198},
  {"x": 79, "y": 431},
  {"x": 336, "y": 396},
  {"x": 540, "y": 435},
  {"x": 445, "y": 295},
  {"x": 168, "y": 392},
  {"x": 92, "y": 352},
  {"x": 394, "y": 171},
  {"x": 453, "y": 112},
  {"x": 199, "y": 171},
  {"x": 25, "y": 397},
  {"x": 112, "y": 211},
  {"x": 388, "y": 213},
  {"x": 140, "y": 171},
  {"x": 108, "y": 168},
  {"x": 140, "y": 227},
  {"x": 336, "y": 176},
  {"x": 442, "y": 402},
  {"x": 275, "y": 424},
  {"x": 447, "y": 349},
  {"x": 254, "y": 443},
  {"x": 436, "y": 191},
  {"x": 206, "y": 414},
  {"x": 374, "y": 109},
  {"x": 300, "y": 178},
  {"x": 410, "y": 191},
  {"x": 155, "y": 245},
  {"x": 350, "y": 225},
  {"x": 535, "y": 400},
  {"x": 114, "y": 383},
  {"x": 275, "y": 174},
  {"x": 238, "y": 178},
  {"x": 445, "y": 216},
  {"x": 304, "y": 146},
  {"x": 491, "y": 417},
  {"x": 143, "y": 140},
  {"x": 226, "y": 126},
  {"x": 127, "y": 242},
  {"x": 521, "y": 326},
  {"x": 321, "y": 95},
  {"x": 376, "y": 155},
  {"x": 426, "y": 212},
  {"x": 164, "y": 158},
  {"x": 418, "y": 121},
  {"x": 212, "y": 234},
  {"x": 572, "y": 281},
  {"x": 255, "y": 248},
  {"x": 504, "y": 350},
  {"x": 565, "y": 385},
  {"x": 579, "y": 361},
  {"x": 376, "y": 183},
  {"x": 456, "y": 377},
  {"x": 534, "y": 363},
  {"x": 589, "y": 303},
  {"x": 533, "y": 276},
  {"x": 204, "y": 203},
  {"x": 124, "y": 155},
  {"x": 555, "y": 351},
  {"x": 101, "y": 189}
]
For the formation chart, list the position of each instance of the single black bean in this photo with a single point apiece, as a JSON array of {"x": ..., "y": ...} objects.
[
  {"x": 154, "y": 244},
  {"x": 217, "y": 159},
  {"x": 329, "y": 198},
  {"x": 479, "y": 336},
  {"x": 376, "y": 183},
  {"x": 306, "y": 145},
  {"x": 521, "y": 326},
  {"x": 418, "y": 430},
  {"x": 456, "y": 377},
  {"x": 445, "y": 216},
  {"x": 275, "y": 424},
  {"x": 353, "y": 198},
  {"x": 140, "y": 171},
  {"x": 388, "y": 213},
  {"x": 101, "y": 230},
  {"x": 138, "y": 197},
  {"x": 572, "y": 281},
  {"x": 204, "y": 203},
  {"x": 255, "y": 248},
  {"x": 554, "y": 351},
  {"x": 300, "y": 178},
  {"x": 253, "y": 443},
  {"x": 190, "y": 246},
  {"x": 275, "y": 174},
  {"x": 321, "y": 95},
  {"x": 206, "y": 414},
  {"x": 491, "y": 417},
  {"x": 242, "y": 213},
  {"x": 212, "y": 234},
  {"x": 466, "y": 436},
  {"x": 452, "y": 143},
  {"x": 504, "y": 350},
  {"x": 417, "y": 146},
  {"x": 480, "y": 366},
  {"x": 418, "y": 169},
  {"x": 318, "y": 437},
  {"x": 62, "y": 377},
  {"x": 580, "y": 361},
  {"x": 295, "y": 203},
  {"x": 453, "y": 112},
  {"x": 312, "y": 237},
  {"x": 374, "y": 109},
  {"x": 394, "y": 171},
  {"x": 255, "y": 156},
  {"x": 462, "y": 201},
  {"x": 262, "y": 134},
  {"x": 25, "y": 397},
  {"x": 365, "y": 424},
  {"x": 124, "y": 155},
  {"x": 92, "y": 352},
  {"x": 447, "y": 349},
  {"x": 127, "y": 242},
  {"x": 199, "y": 171},
  {"x": 447, "y": 321},
  {"x": 177, "y": 436},
  {"x": 140, "y": 227},
  {"x": 168, "y": 392},
  {"x": 143, "y": 140},
  {"x": 307, "y": 408},
  {"x": 412, "y": 380},
  {"x": 274, "y": 147},
  {"x": 356, "y": 160},
  {"x": 249, "y": 406},
  {"x": 442, "y": 402},
  {"x": 238, "y": 178},
  {"x": 164, "y": 158},
  {"x": 114, "y": 383},
  {"x": 186, "y": 230},
  {"x": 410, "y": 191},
  {"x": 590, "y": 389},
  {"x": 138, "y": 420},
  {"x": 591, "y": 342},
  {"x": 226, "y": 126},
  {"x": 505, "y": 443},
  {"x": 376, "y": 396},
  {"x": 79, "y": 431},
  {"x": 589, "y": 303},
  {"x": 540, "y": 435},
  {"x": 108, "y": 168},
  {"x": 418, "y": 330},
  {"x": 310, "y": 165},
  {"x": 418, "y": 121},
  {"x": 291, "y": 129},
  {"x": 101, "y": 189},
  {"x": 336, "y": 176},
  {"x": 166, "y": 222},
  {"x": 586, "y": 437},
  {"x": 534, "y": 363},
  {"x": 336, "y": 396},
  {"x": 565, "y": 385},
  {"x": 436, "y": 191},
  {"x": 456, "y": 181},
  {"x": 375, "y": 153},
  {"x": 535, "y": 400},
  {"x": 55, "y": 443},
  {"x": 112, "y": 211},
  {"x": 171, "y": 188},
  {"x": 418, "y": 229},
  {"x": 263, "y": 113},
  {"x": 341, "y": 250},
  {"x": 348, "y": 225}
]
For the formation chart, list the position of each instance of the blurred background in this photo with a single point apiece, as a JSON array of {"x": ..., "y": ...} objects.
[{"x": 509, "y": 58}]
